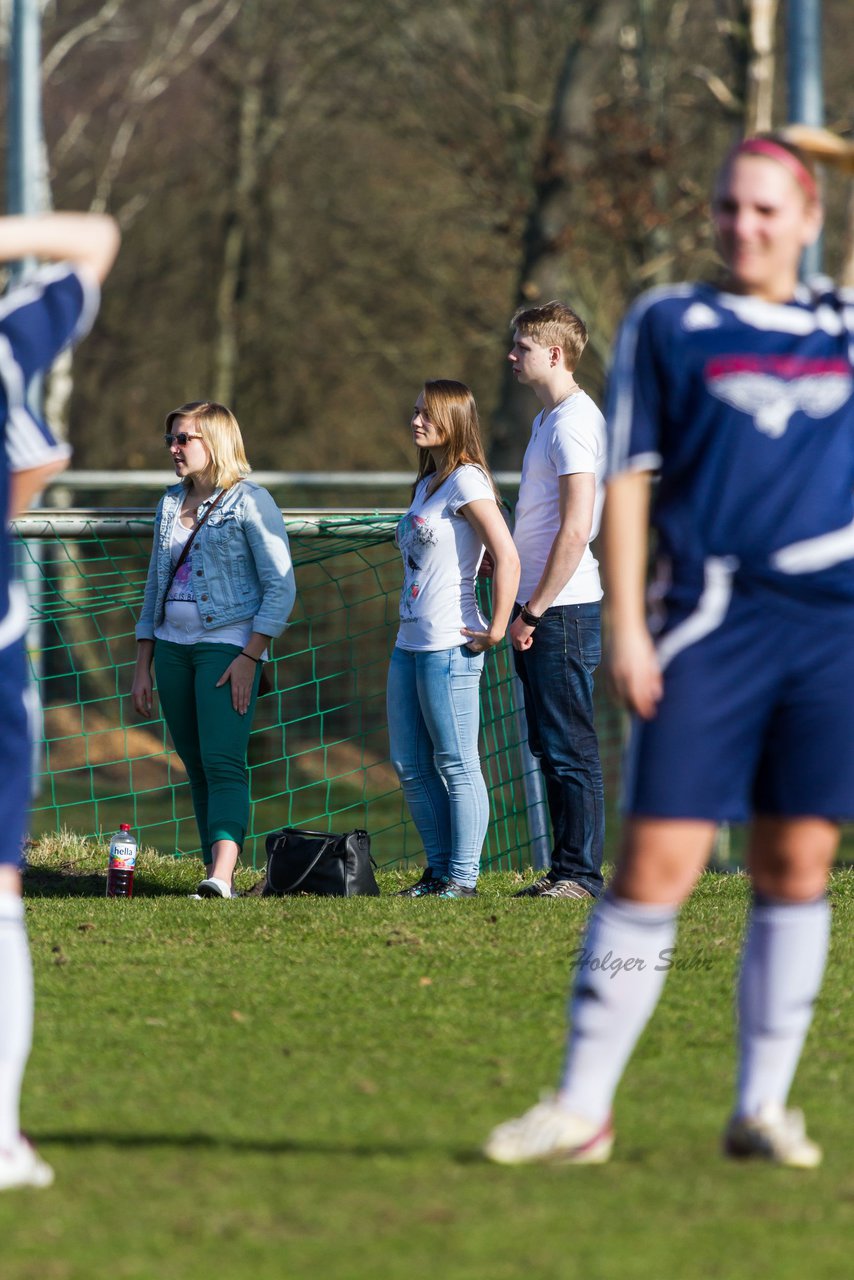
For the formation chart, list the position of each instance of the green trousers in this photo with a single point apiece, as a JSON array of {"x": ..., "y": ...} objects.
[{"x": 209, "y": 735}]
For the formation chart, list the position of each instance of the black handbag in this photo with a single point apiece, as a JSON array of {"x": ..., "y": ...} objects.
[{"x": 319, "y": 862}]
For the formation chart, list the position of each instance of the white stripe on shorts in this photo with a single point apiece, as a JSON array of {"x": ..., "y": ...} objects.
[{"x": 709, "y": 614}]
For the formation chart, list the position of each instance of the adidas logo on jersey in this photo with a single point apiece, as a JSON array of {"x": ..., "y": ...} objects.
[{"x": 700, "y": 316}]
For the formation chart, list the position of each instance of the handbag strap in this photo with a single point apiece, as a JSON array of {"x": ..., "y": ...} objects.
[
  {"x": 185, "y": 550},
  {"x": 307, "y": 870}
]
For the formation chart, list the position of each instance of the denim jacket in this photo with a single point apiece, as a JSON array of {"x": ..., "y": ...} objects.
[{"x": 241, "y": 562}]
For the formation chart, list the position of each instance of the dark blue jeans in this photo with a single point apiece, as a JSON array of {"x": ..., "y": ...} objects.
[{"x": 557, "y": 679}]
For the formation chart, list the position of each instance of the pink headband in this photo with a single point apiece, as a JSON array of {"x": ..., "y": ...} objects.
[{"x": 774, "y": 151}]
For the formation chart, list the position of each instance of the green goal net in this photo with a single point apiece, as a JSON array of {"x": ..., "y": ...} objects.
[{"x": 319, "y": 750}]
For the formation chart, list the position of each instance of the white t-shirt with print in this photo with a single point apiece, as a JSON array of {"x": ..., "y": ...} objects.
[
  {"x": 441, "y": 554},
  {"x": 568, "y": 441}
]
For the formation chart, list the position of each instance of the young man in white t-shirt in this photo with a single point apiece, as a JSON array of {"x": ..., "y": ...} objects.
[{"x": 556, "y": 631}]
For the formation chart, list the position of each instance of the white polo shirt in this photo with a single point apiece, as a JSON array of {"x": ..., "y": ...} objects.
[{"x": 569, "y": 440}]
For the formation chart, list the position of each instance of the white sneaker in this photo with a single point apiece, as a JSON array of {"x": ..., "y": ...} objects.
[
  {"x": 214, "y": 888},
  {"x": 549, "y": 1134},
  {"x": 23, "y": 1167},
  {"x": 772, "y": 1134}
]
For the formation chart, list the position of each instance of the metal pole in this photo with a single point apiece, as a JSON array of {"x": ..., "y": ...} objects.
[
  {"x": 25, "y": 123},
  {"x": 805, "y": 85},
  {"x": 25, "y": 188},
  {"x": 536, "y": 807}
]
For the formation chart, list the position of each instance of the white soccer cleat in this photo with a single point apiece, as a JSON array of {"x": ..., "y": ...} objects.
[
  {"x": 22, "y": 1166},
  {"x": 549, "y": 1134},
  {"x": 772, "y": 1134}
]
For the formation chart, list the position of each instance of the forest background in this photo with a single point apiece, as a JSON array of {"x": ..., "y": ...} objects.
[{"x": 325, "y": 202}]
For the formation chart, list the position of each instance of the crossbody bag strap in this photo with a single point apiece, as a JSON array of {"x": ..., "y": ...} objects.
[{"x": 185, "y": 550}]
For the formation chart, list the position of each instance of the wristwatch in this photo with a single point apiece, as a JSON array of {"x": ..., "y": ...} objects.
[{"x": 531, "y": 620}]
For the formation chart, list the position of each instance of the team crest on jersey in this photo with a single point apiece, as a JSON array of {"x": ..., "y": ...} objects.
[
  {"x": 700, "y": 316},
  {"x": 772, "y": 388}
]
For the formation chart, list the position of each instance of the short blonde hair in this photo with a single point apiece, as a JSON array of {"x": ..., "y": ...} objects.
[
  {"x": 220, "y": 431},
  {"x": 554, "y": 324}
]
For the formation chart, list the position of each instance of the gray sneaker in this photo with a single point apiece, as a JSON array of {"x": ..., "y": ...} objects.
[
  {"x": 535, "y": 890},
  {"x": 565, "y": 889},
  {"x": 427, "y": 884},
  {"x": 548, "y": 887}
]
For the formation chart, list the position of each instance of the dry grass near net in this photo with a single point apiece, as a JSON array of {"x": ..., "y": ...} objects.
[{"x": 129, "y": 757}]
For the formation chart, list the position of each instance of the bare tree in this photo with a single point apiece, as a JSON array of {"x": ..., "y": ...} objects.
[
  {"x": 567, "y": 150},
  {"x": 341, "y": 198}
]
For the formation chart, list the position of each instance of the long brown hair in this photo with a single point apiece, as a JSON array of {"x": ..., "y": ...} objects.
[{"x": 451, "y": 408}]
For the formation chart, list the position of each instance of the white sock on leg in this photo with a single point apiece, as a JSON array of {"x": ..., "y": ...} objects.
[
  {"x": 16, "y": 1014},
  {"x": 620, "y": 973},
  {"x": 782, "y": 966}
]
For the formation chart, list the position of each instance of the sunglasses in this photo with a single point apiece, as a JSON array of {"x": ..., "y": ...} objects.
[{"x": 180, "y": 437}]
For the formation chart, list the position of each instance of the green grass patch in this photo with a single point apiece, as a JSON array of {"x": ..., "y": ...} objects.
[{"x": 299, "y": 1088}]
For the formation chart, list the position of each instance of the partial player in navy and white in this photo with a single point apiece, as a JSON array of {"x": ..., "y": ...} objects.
[
  {"x": 52, "y": 307},
  {"x": 740, "y": 398}
]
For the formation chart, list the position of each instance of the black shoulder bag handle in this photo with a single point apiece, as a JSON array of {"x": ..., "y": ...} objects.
[
  {"x": 185, "y": 551},
  {"x": 311, "y": 860}
]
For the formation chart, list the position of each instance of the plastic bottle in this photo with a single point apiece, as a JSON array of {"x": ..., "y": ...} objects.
[{"x": 122, "y": 863}]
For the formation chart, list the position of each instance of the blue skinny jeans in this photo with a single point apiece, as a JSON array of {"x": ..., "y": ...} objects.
[{"x": 433, "y": 725}]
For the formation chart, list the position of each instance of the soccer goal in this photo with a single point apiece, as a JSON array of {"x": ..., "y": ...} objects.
[{"x": 319, "y": 749}]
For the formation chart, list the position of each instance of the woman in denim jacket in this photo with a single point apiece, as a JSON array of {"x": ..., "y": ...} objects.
[{"x": 208, "y": 615}]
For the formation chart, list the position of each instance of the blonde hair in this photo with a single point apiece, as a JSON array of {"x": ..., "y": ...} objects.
[
  {"x": 220, "y": 431},
  {"x": 451, "y": 408},
  {"x": 554, "y": 324}
]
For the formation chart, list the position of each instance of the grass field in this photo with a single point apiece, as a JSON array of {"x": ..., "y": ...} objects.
[{"x": 299, "y": 1088}]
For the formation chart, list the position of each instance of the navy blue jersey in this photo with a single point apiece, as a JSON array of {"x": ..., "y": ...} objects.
[
  {"x": 54, "y": 307},
  {"x": 746, "y": 410}
]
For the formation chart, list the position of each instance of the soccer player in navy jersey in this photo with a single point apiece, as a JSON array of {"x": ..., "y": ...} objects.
[
  {"x": 741, "y": 398},
  {"x": 52, "y": 307}
]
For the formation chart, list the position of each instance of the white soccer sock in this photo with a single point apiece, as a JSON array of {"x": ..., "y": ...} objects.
[
  {"x": 619, "y": 976},
  {"x": 16, "y": 1014},
  {"x": 781, "y": 971}
]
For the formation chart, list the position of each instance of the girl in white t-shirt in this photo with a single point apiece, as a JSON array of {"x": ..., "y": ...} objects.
[{"x": 434, "y": 676}]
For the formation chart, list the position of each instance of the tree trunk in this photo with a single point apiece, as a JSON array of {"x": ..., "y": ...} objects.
[
  {"x": 567, "y": 149},
  {"x": 234, "y": 257},
  {"x": 759, "y": 89}
]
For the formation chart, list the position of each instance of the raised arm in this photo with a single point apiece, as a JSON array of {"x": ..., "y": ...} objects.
[
  {"x": 37, "y": 326},
  {"x": 87, "y": 240}
]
